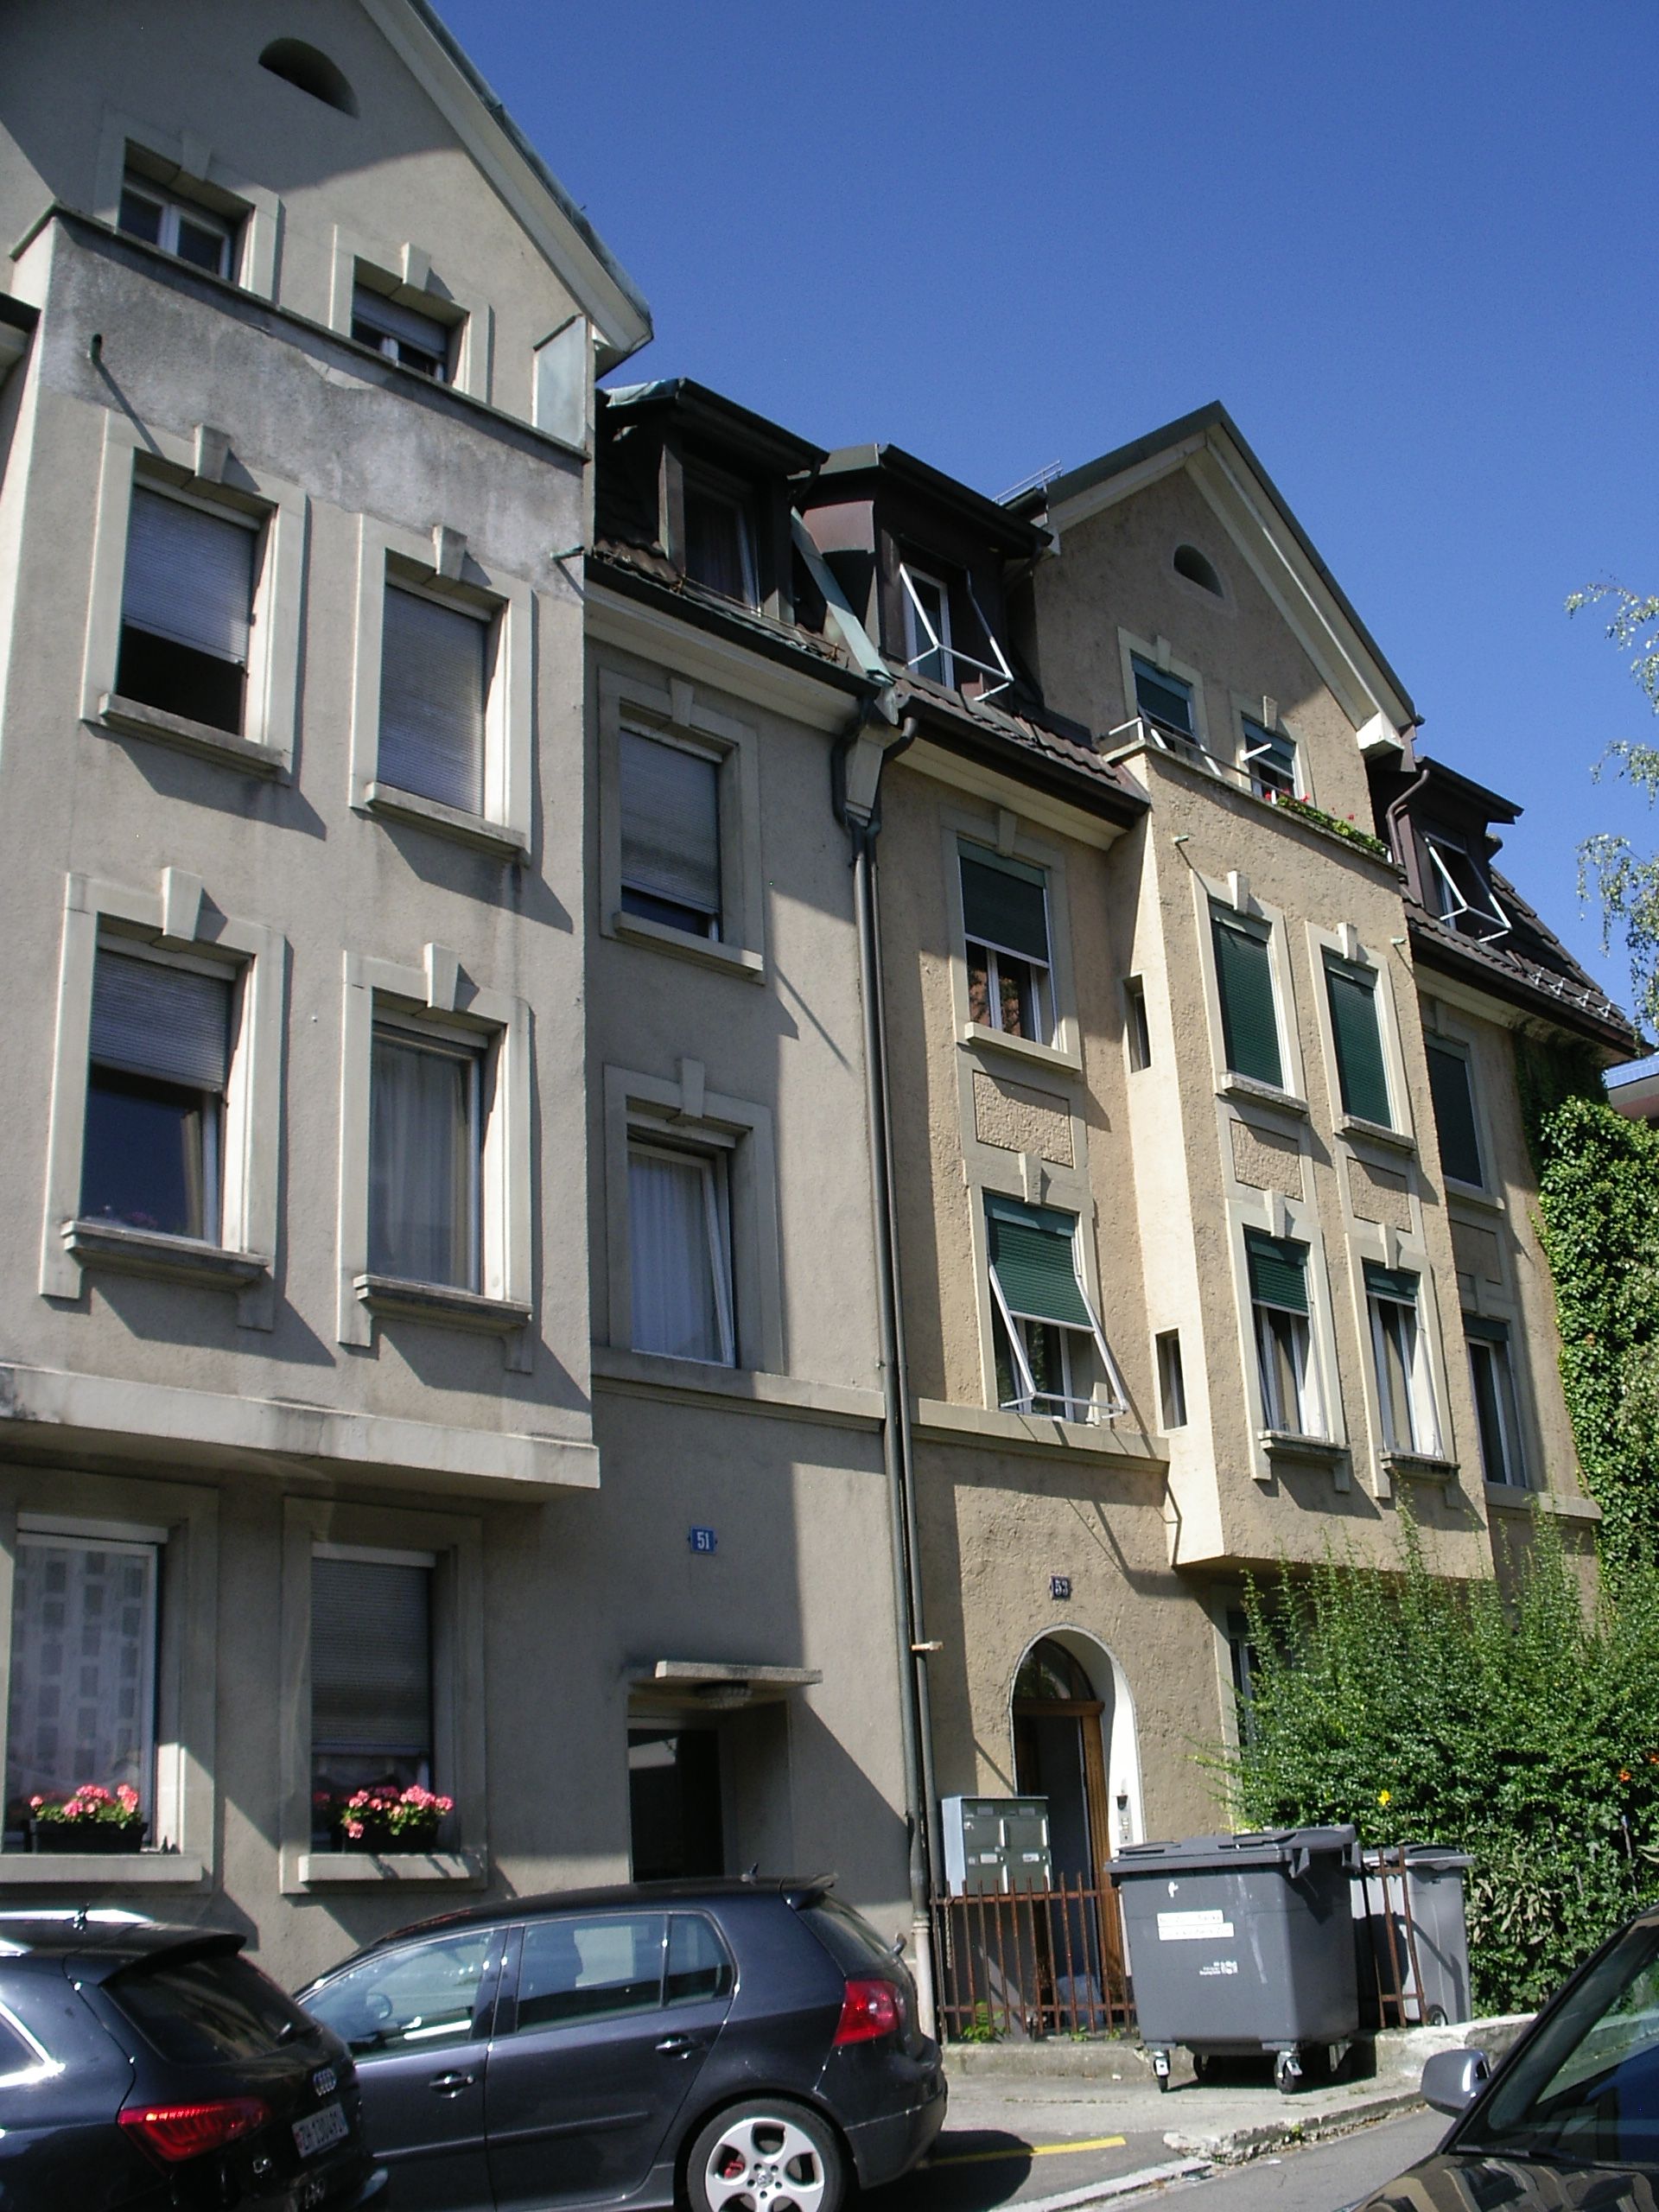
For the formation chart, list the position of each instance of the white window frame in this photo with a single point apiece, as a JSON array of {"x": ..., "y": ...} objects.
[
  {"x": 1042, "y": 972},
  {"x": 208, "y": 472},
  {"x": 171, "y": 210},
  {"x": 1249, "y": 753},
  {"x": 405, "y": 275},
  {"x": 1511, "y": 1419},
  {"x": 682, "y": 1113},
  {"x": 1450, "y": 901},
  {"x": 1003, "y": 836},
  {"x": 1463, "y": 1048},
  {"x": 655, "y": 1140},
  {"x": 1346, "y": 947},
  {"x": 455, "y": 1543},
  {"x": 182, "y": 1523},
  {"x": 444, "y": 568},
  {"x": 1066, "y": 1191},
  {"x": 185, "y": 167},
  {"x": 466, "y": 1049},
  {"x": 435, "y": 993},
  {"x": 673, "y": 710},
  {"x": 1296, "y": 1221},
  {"x": 1235, "y": 891},
  {"x": 177, "y": 921},
  {"x": 1309, "y": 1408},
  {"x": 1160, "y": 654},
  {"x": 923, "y": 641},
  {"x": 698, "y": 751},
  {"x": 1425, "y": 1440}
]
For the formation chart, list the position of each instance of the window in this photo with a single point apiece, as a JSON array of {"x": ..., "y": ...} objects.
[
  {"x": 159, "y": 1059},
  {"x": 1139, "y": 1031},
  {"x": 371, "y": 1677},
  {"x": 1050, "y": 1348},
  {"x": 1005, "y": 922},
  {"x": 435, "y": 683},
  {"x": 1461, "y": 892},
  {"x": 186, "y": 609},
  {"x": 425, "y": 1155},
  {"x": 1249, "y": 1020},
  {"x": 1492, "y": 1375},
  {"x": 1197, "y": 568},
  {"x": 1400, "y": 1355},
  {"x": 927, "y": 625},
  {"x": 719, "y": 540},
  {"x": 1164, "y": 699},
  {"x": 196, "y": 234},
  {"x": 680, "y": 1253},
  {"x": 83, "y": 1669},
  {"x": 671, "y": 833},
  {"x": 1269, "y": 758},
  {"x": 1450, "y": 1083},
  {"x": 1171, "y": 1379},
  {"x": 402, "y": 334},
  {"x": 580, "y": 1968},
  {"x": 1290, "y": 1393},
  {"x": 1357, "y": 1032}
]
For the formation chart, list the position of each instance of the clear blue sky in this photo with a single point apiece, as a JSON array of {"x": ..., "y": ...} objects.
[{"x": 1410, "y": 246}]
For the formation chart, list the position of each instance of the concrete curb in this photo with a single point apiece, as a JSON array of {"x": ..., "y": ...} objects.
[
  {"x": 1103, "y": 2192},
  {"x": 1233, "y": 2147}
]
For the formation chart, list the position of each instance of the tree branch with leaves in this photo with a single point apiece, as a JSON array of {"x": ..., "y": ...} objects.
[{"x": 1625, "y": 882}]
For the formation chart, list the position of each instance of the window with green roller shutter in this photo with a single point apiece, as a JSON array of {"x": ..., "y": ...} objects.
[
  {"x": 1450, "y": 1083},
  {"x": 1405, "y": 1392},
  {"x": 1005, "y": 923},
  {"x": 1032, "y": 1258},
  {"x": 1048, "y": 1339},
  {"x": 1284, "y": 1350},
  {"x": 1249, "y": 1023},
  {"x": 1361, "y": 1075}
]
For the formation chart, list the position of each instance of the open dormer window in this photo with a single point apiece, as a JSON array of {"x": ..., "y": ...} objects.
[
  {"x": 720, "y": 538},
  {"x": 1459, "y": 889},
  {"x": 931, "y": 650}
]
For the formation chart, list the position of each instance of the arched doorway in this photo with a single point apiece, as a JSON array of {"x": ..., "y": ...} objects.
[{"x": 1061, "y": 1729}]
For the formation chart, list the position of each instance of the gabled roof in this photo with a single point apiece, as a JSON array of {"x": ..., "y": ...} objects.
[
  {"x": 1210, "y": 444},
  {"x": 602, "y": 287}
]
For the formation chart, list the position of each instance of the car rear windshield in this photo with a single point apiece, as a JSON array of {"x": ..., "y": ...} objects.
[
  {"x": 200, "y": 2012},
  {"x": 848, "y": 1937}
]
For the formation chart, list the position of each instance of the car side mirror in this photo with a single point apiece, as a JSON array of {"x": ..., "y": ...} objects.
[{"x": 1453, "y": 2079}]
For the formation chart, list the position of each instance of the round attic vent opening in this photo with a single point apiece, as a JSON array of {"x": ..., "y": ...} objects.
[
  {"x": 1197, "y": 568},
  {"x": 304, "y": 66}
]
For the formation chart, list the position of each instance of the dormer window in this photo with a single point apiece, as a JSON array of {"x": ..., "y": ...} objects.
[
  {"x": 930, "y": 650},
  {"x": 720, "y": 539},
  {"x": 1460, "y": 891}
]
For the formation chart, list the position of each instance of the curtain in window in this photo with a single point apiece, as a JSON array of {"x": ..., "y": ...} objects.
[
  {"x": 670, "y": 822},
  {"x": 422, "y": 1163},
  {"x": 370, "y": 1671},
  {"x": 1005, "y": 905},
  {"x": 83, "y": 1670},
  {"x": 434, "y": 679},
  {"x": 1360, "y": 1071},
  {"x": 189, "y": 575},
  {"x": 681, "y": 1291},
  {"x": 156, "y": 1021}
]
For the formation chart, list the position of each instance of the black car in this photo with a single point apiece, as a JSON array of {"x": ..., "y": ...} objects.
[
  {"x": 1571, "y": 2118},
  {"x": 143, "y": 2067},
  {"x": 751, "y": 2044}
]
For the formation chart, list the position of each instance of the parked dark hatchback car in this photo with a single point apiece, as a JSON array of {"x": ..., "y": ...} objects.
[
  {"x": 1570, "y": 2120},
  {"x": 753, "y": 2044},
  {"x": 143, "y": 2067}
]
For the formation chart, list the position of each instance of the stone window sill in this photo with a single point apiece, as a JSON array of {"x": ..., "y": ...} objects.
[
  {"x": 982, "y": 1037},
  {"x": 499, "y": 838},
  {"x": 706, "y": 951},
  {"x": 1472, "y": 1194},
  {"x": 1291, "y": 1444},
  {"x": 134, "y": 719},
  {"x": 1355, "y": 1127},
  {"x": 1247, "y": 1090},
  {"x": 1420, "y": 1466},
  {"x": 1517, "y": 1498},
  {"x": 395, "y": 1299},
  {"x": 348, "y": 1869},
  {"x": 98, "y": 1870},
  {"x": 172, "y": 1259}
]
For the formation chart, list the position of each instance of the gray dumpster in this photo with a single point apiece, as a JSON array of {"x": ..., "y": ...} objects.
[
  {"x": 1243, "y": 1943},
  {"x": 1412, "y": 1943}
]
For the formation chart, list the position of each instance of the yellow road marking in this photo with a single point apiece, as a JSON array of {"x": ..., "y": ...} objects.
[{"x": 1029, "y": 2150}]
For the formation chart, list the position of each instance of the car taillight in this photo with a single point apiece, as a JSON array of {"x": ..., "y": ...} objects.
[
  {"x": 174, "y": 2132},
  {"x": 869, "y": 2010}
]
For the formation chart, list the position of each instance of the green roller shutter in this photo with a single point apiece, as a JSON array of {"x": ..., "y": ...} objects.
[
  {"x": 1278, "y": 1271},
  {"x": 1244, "y": 978},
  {"x": 1032, "y": 1259},
  {"x": 1454, "y": 1114},
  {"x": 1390, "y": 1282},
  {"x": 1005, "y": 904},
  {"x": 1360, "y": 1071}
]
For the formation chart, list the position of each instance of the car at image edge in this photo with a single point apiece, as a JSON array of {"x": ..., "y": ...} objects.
[{"x": 742, "y": 2042}]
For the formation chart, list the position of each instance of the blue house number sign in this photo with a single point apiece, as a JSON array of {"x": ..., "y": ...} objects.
[{"x": 702, "y": 1539}]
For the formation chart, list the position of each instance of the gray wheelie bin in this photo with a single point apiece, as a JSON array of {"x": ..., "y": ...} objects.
[
  {"x": 1243, "y": 1943},
  {"x": 1412, "y": 1942}
]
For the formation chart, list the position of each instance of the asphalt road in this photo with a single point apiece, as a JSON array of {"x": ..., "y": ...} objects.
[{"x": 979, "y": 2170}]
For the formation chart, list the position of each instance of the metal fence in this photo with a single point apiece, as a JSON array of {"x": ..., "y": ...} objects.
[{"x": 1036, "y": 1962}]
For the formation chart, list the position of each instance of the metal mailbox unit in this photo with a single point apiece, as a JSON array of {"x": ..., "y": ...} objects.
[
  {"x": 995, "y": 1846},
  {"x": 1243, "y": 1943}
]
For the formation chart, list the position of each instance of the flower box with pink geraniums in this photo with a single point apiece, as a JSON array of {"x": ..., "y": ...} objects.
[
  {"x": 386, "y": 1819},
  {"x": 92, "y": 1820}
]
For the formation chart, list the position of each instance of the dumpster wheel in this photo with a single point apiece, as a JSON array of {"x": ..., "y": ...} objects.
[{"x": 1286, "y": 2071}]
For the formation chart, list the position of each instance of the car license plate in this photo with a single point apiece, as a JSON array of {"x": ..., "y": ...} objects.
[{"x": 319, "y": 2129}]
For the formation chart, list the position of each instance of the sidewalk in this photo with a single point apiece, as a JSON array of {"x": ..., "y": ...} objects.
[{"x": 1097, "y": 2089}]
